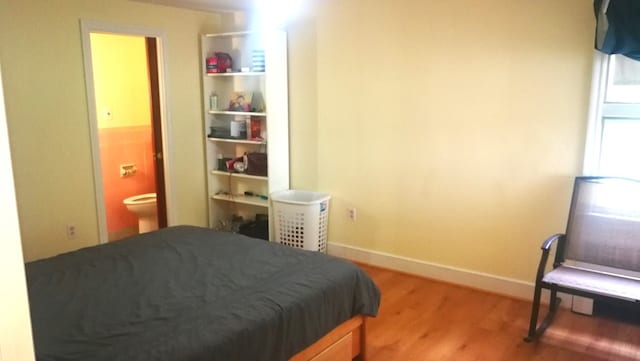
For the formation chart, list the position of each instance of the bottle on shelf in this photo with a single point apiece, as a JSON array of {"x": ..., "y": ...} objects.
[{"x": 213, "y": 101}]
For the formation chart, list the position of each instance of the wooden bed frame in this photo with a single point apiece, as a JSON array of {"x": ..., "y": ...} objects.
[{"x": 343, "y": 343}]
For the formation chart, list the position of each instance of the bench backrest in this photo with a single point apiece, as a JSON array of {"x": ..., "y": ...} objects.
[{"x": 604, "y": 223}]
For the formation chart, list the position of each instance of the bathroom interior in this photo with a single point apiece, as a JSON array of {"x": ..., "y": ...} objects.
[{"x": 122, "y": 93}]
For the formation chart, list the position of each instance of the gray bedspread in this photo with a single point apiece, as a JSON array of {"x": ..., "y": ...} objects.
[{"x": 190, "y": 293}]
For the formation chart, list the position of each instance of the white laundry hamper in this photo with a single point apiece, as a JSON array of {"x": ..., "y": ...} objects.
[{"x": 301, "y": 219}]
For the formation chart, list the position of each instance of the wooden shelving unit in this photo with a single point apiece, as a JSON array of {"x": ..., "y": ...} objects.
[{"x": 270, "y": 88}]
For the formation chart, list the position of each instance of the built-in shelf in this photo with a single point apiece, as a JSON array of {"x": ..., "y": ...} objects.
[
  {"x": 229, "y": 112},
  {"x": 254, "y": 201},
  {"x": 237, "y": 141},
  {"x": 238, "y": 175},
  {"x": 237, "y": 73},
  {"x": 269, "y": 95}
]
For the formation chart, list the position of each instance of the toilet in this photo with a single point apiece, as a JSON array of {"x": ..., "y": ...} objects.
[{"x": 144, "y": 207}]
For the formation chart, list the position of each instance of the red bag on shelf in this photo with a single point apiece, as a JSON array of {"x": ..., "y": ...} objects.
[
  {"x": 212, "y": 64},
  {"x": 224, "y": 62}
]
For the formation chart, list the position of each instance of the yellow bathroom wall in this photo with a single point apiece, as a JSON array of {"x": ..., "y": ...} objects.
[
  {"x": 121, "y": 80},
  {"x": 453, "y": 127},
  {"x": 47, "y": 113}
]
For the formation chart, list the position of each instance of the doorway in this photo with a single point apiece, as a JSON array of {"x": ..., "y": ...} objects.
[{"x": 124, "y": 93}]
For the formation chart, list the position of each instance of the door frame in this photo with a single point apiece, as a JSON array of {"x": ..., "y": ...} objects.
[{"x": 87, "y": 27}]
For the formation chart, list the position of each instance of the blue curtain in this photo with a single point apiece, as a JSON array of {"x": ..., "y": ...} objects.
[{"x": 618, "y": 27}]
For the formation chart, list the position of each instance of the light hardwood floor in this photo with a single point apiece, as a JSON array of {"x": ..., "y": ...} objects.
[{"x": 422, "y": 319}]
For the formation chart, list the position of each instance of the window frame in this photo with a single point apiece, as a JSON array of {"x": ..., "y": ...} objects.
[{"x": 599, "y": 112}]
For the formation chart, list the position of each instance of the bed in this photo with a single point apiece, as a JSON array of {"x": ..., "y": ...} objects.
[{"x": 191, "y": 293}]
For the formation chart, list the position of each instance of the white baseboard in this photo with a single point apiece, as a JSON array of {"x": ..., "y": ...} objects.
[{"x": 478, "y": 280}]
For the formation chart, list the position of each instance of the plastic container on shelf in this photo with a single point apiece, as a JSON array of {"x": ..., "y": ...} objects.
[{"x": 301, "y": 219}]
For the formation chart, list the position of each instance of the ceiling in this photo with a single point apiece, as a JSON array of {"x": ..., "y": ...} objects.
[{"x": 206, "y": 5}]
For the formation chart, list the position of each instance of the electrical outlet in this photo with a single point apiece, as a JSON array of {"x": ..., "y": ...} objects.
[
  {"x": 351, "y": 213},
  {"x": 71, "y": 231}
]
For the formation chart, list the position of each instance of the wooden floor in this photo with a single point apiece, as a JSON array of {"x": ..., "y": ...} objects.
[{"x": 421, "y": 319}]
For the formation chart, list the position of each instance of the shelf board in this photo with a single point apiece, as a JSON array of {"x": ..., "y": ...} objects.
[
  {"x": 236, "y": 73},
  {"x": 235, "y": 33},
  {"x": 238, "y": 175},
  {"x": 254, "y": 201},
  {"x": 229, "y": 112},
  {"x": 240, "y": 141}
]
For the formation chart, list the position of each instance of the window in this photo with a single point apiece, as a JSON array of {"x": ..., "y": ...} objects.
[{"x": 613, "y": 139}]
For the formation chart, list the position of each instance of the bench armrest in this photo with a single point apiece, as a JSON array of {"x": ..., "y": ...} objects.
[{"x": 546, "y": 246}]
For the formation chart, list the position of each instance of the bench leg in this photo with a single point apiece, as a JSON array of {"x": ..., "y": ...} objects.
[{"x": 554, "y": 301}]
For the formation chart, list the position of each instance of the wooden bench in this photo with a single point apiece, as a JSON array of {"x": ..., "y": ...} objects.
[{"x": 599, "y": 254}]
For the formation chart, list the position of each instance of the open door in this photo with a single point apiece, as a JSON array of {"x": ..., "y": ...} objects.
[
  {"x": 156, "y": 124},
  {"x": 127, "y": 121}
]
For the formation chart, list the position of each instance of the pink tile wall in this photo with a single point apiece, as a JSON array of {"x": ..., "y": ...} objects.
[{"x": 125, "y": 145}]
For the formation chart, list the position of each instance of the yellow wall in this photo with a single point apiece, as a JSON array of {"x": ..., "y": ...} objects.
[
  {"x": 119, "y": 63},
  {"x": 41, "y": 53},
  {"x": 303, "y": 100},
  {"x": 453, "y": 127}
]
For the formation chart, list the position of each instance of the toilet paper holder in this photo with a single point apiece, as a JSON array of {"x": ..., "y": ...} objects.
[{"x": 127, "y": 170}]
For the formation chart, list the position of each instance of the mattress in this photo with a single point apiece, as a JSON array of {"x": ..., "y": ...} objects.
[{"x": 190, "y": 293}]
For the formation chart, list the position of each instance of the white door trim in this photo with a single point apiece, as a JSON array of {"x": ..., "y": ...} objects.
[{"x": 87, "y": 27}]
